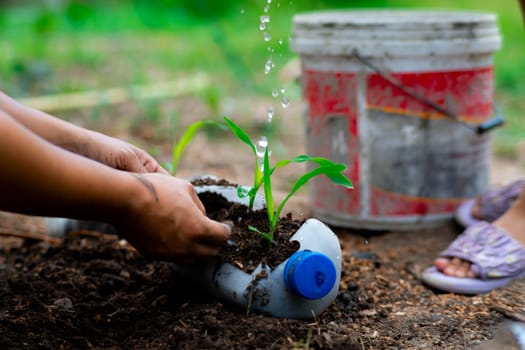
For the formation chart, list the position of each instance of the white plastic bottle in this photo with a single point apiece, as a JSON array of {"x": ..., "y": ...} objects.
[{"x": 301, "y": 287}]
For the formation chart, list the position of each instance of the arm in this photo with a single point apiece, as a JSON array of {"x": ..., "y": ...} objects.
[
  {"x": 34, "y": 171},
  {"x": 160, "y": 215},
  {"x": 104, "y": 149}
]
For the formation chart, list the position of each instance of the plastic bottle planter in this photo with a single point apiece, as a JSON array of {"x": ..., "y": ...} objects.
[{"x": 301, "y": 287}]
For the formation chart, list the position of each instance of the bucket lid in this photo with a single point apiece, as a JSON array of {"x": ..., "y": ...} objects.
[
  {"x": 310, "y": 274},
  {"x": 394, "y": 32}
]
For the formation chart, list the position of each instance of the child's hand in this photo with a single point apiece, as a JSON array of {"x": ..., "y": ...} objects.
[
  {"x": 119, "y": 154},
  {"x": 167, "y": 221}
]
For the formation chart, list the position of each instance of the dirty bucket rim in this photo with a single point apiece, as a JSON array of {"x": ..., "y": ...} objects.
[
  {"x": 384, "y": 33},
  {"x": 399, "y": 17}
]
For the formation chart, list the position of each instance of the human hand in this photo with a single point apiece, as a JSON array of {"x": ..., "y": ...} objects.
[
  {"x": 119, "y": 154},
  {"x": 168, "y": 222}
]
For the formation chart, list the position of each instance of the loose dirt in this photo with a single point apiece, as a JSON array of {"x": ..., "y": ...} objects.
[{"x": 94, "y": 291}]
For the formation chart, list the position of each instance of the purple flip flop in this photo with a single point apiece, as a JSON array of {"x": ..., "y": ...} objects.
[
  {"x": 463, "y": 214},
  {"x": 470, "y": 286},
  {"x": 496, "y": 258},
  {"x": 492, "y": 204}
]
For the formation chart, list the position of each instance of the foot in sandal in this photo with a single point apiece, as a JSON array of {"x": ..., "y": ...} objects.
[{"x": 485, "y": 256}]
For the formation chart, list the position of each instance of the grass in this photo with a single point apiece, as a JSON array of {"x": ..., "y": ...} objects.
[{"x": 90, "y": 45}]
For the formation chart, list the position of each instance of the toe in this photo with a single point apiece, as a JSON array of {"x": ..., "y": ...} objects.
[
  {"x": 454, "y": 268},
  {"x": 463, "y": 269},
  {"x": 441, "y": 263}
]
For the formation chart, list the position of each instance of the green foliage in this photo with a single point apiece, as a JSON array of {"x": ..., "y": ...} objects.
[
  {"x": 139, "y": 41},
  {"x": 334, "y": 171},
  {"x": 207, "y": 9},
  {"x": 46, "y": 22},
  {"x": 151, "y": 109},
  {"x": 257, "y": 173},
  {"x": 79, "y": 13},
  {"x": 212, "y": 98},
  {"x": 185, "y": 139}
]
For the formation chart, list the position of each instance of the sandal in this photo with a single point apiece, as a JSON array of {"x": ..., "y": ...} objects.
[
  {"x": 497, "y": 259},
  {"x": 492, "y": 204}
]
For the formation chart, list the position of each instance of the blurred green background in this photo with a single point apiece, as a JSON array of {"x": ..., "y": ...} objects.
[{"x": 55, "y": 46}]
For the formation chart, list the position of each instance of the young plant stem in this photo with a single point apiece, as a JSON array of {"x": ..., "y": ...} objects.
[{"x": 268, "y": 194}]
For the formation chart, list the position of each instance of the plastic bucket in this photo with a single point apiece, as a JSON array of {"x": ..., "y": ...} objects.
[{"x": 411, "y": 163}]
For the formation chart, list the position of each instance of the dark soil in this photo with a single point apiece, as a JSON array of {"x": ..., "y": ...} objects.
[
  {"x": 94, "y": 291},
  {"x": 247, "y": 249}
]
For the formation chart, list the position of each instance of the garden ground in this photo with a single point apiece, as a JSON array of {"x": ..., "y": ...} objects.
[{"x": 94, "y": 291}]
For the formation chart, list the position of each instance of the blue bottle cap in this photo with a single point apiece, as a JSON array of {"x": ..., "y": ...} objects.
[{"x": 311, "y": 275}]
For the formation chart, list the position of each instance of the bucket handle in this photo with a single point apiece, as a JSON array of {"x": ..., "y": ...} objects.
[{"x": 495, "y": 121}]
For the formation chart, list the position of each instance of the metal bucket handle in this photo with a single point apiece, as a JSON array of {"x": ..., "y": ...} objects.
[{"x": 495, "y": 121}]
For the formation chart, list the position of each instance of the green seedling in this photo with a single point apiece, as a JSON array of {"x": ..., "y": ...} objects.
[
  {"x": 334, "y": 171},
  {"x": 242, "y": 192},
  {"x": 186, "y": 138}
]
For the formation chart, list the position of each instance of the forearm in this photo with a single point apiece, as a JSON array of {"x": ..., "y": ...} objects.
[
  {"x": 52, "y": 129},
  {"x": 39, "y": 178}
]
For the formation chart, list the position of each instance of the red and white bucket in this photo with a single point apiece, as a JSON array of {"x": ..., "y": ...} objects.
[{"x": 376, "y": 84}]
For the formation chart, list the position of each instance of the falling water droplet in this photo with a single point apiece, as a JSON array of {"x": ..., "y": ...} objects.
[
  {"x": 261, "y": 146},
  {"x": 242, "y": 11},
  {"x": 266, "y": 8},
  {"x": 265, "y": 19},
  {"x": 262, "y": 26},
  {"x": 280, "y": 41},
  {"x": 270, "y": 114},
  {"x": 268, "y": 66},
  {"x": 366, "y": 241},
  {"x": 283, "y": 90},
  {"x": 267, "y": 36},
  {"x": 285, "y": 101},
  {"x": 275, "y": 93},
  {"x": 269, "y": 1},
  {"x": 260, "y": 149}
]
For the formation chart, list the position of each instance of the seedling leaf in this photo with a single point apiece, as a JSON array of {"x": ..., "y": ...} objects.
[
  {"x": 257, "y": 174},
  {"x": 242, "y": 192},
  {"x": 326, "y": 170},
  {"x": 189, "y": 134},
  {"x": 337, "y": 177},
  {"x": 268, "y": 193},
  {"x": 265, "y": 235},
  {"x": 241, "y": 135}
]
